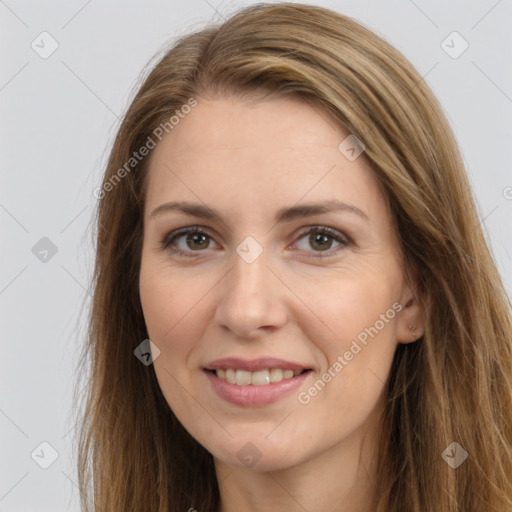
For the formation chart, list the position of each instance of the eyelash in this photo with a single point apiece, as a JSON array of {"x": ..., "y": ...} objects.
[{"x": 324, "y": 230}]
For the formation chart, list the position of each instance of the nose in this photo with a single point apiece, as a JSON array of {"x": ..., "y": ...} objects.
[{"x": 252, "y": 299}]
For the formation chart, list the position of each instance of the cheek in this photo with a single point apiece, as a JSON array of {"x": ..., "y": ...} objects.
[
  {"x": 355, "y": 336},
  {"x": 172, "y": 313},
  {"x": 176, "y": 311},
  {"x": 171, "y": 305},
  {"x": 346, "y": 304}
]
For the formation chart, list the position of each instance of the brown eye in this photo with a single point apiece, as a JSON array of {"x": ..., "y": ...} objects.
[
  {"x": 186, "y": 241},
  {"x": 197, "y": 241},
  {"x": 320, "y": 240}
]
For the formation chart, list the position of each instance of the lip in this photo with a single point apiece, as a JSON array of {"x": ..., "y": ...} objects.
[
  {"x": 254, "y": 365},
  {"x": 251, "y": 396}
]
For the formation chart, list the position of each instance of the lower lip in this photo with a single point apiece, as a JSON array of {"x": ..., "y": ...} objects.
[{"x": 255, "y": 395}]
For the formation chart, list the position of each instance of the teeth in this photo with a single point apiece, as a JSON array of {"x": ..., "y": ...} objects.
[
  {"x": 259, "y": 378},
  {"x": 243, "y": 378},
  {"x": 230, "y": 376},
  {"x": 276, "y": 375}
]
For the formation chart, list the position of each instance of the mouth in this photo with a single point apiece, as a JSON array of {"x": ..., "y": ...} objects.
[
  {"x": 256, "y": 382},
  {"x": 257, "y": 378}
]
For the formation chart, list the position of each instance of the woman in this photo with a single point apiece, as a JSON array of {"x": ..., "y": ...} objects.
[{"x": 285, "y": 215}]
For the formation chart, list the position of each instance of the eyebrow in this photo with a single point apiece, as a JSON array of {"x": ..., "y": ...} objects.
[{"x": 283, "y": 215}]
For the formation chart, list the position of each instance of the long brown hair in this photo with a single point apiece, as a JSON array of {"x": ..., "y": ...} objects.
[{"x": 452, "y": 385}]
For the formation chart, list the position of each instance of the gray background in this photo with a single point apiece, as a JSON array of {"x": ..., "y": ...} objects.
[{"x": 58, "y": 118}]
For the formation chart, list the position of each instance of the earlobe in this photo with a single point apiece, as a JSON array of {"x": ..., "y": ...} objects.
[
  {"x": 411, "y": 324},
  {"x": 413, "y": 334}
]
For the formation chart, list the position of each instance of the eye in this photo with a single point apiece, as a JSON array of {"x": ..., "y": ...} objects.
[
  {"x": 187, "y": 240},
  {"x": 321, "y": 239},
  {"x": 195, "y": 239}
]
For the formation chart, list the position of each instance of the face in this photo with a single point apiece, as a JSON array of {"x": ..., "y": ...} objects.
[{"x": 268, "y": 252}]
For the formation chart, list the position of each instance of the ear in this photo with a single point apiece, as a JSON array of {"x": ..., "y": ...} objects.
[{"x": 411, "y": 319}]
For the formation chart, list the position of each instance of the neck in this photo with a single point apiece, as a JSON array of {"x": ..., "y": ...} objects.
[{"x": 340, "y": 479}]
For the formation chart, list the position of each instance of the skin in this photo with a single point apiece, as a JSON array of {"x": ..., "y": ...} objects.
[{"x": 247, "y": 160}]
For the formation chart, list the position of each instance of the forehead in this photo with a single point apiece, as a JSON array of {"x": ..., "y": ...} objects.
[
  {"x": 279, "y": 124},
  {"x": 273, "y": 152}
]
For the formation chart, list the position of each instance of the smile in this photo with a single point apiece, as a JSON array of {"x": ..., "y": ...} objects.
[
  {"x": 259, "y": 378},
  {"x": 255, "y": 382}
]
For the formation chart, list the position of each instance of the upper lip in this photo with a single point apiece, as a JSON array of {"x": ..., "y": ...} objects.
[{"x": 254, "y": 365}]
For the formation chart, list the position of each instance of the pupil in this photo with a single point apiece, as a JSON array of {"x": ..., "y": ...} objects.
[
  {"x": 199, "y": 239},
  {"x": 321, "y": 241}
]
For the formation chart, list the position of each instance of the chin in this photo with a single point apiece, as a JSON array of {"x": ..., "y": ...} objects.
[{"x": 257, "y": 454}]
